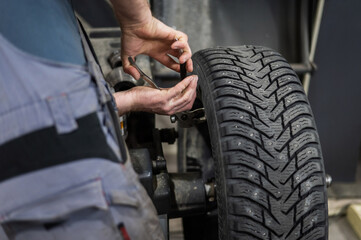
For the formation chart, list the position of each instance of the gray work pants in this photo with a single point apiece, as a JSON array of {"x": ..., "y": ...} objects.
[{"x": 87, "y": 198}]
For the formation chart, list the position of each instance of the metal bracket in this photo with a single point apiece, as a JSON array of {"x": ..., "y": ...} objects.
[
  {"x": 328, "y": 180},
  {"x": 188, "y": 119}
]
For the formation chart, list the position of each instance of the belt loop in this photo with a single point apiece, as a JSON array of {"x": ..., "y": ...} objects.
[{"x": 62, "y": 113}]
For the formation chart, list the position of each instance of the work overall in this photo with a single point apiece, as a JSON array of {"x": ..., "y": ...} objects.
[{"x": 62, "y": 174}]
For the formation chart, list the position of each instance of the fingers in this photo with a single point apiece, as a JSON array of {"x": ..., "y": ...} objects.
[
  {"x": 189, "y": 65},
  {"x": 133, "y": 71},
  {"x": 185, "y": 94},
  {"x": 129, "y": 68},
  {"x": 187, "y": 104},
  {"x": 169, "y": 62},
  {"x": 167, "y": 101},
  {"x": 183, "y": 47},
  {"x": 178, "y": 89},
  {"x": 181, "y": 44},
  {"x": 157, "y": 45}
]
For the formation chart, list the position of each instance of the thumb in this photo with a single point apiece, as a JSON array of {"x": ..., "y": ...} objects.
[{"x": 128, "y": 68}]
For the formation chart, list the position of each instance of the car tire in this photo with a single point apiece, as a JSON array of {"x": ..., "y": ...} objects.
[{"x": 270, "y": 178}]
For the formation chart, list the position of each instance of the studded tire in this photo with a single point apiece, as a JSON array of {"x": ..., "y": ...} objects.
[{"x": 270, "y": 178}]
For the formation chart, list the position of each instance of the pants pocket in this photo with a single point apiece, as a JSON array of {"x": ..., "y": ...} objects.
[
  {"x": 88, "y": 223},
  {"x": 58, "y": 206},
  {"x": 135, "y": 211}
]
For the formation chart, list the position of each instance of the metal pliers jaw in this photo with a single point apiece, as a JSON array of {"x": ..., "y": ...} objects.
[{"x": 142, "y": 74}]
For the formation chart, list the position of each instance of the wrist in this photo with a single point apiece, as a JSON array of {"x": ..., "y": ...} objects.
[
  {"x": 139, "y": 29},
  {"x": 126, "y": 101},
  {"x": 132, "y": 13},
  {"x": 136, "y": 23}
]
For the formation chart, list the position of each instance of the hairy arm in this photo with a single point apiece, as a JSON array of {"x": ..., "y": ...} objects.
[{"x": 132, "y": 13}]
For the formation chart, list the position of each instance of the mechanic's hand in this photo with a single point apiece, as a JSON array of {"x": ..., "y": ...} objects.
[
  {"x": 165, "y": 101},
  {"x": 156, "y": 40}
]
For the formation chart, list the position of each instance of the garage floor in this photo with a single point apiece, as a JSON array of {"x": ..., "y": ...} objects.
[{"x": 339, "y": 229}]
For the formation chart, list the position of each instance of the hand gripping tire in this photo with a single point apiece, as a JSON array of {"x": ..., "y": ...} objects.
[{"x": 270, "y": 178}]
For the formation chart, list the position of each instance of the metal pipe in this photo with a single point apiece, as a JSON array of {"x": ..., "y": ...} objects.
[
  {"x": 189, "y": 195},
  {"x": 301, "y": 68},
  {"x": 182, "y": 146},
  {"x": 304, "y": 32},
  {"x": 315, "y": 33}
]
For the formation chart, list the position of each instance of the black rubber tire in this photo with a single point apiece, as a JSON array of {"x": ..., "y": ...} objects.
[{"x": 270, "y": 176}]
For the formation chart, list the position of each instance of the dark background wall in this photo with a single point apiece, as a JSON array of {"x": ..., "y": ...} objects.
[{"x": 335, "y": 92}]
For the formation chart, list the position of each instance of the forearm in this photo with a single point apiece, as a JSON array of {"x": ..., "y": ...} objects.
[{"x": 132, "y": 13}]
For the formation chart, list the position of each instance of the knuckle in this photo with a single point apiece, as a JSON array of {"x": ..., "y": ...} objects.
[
  {"x": 167, "y": 108},
  {"x": 185, "y": 101},
  {"x": 171, "y": 111},
  {"x": 164, "y": 103}
]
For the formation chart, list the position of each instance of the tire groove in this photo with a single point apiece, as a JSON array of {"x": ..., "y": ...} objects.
[
  {"x": 276, "y": 80},
  {"x": 257, "y": 186},
  {"x": 251, "y": 156},
  {"x": 300, "y": 200},
  {"x": 292, "y": 121},
  {"x": 257, "y": 222},
  {"x": 259, "y": 130},
  {"x": 268, "y": 64},
  {"x": 300, "y": 222},
  {"x": 295, "y": 136},
  {"x": 219, "y": 98}
]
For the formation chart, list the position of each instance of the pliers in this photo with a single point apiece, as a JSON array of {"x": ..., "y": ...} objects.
[{"x": 183, "y": 71}]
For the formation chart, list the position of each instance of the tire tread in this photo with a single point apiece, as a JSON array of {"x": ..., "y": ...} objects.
[{"x": 272, "y": 172}]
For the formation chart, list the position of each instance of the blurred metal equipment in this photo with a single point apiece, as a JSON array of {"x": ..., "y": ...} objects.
[
  {"x": 117, "y": 78},
  {"x": 115, "y": 59},
  {"x": 189, "y": 119},
  {"x": 328, "y": 180},
  {"x": 314, "y": 38}
]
